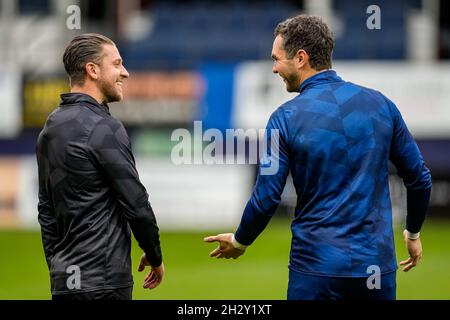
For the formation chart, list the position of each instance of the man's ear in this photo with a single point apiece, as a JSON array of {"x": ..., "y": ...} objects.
[
  {"x": 301, "y": 58},
  {"x": 92, "y": 70}
]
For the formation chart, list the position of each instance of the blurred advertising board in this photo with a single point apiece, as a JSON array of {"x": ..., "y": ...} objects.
[
  {"x": 150, "y": 98},
  {"x": 10, "y": 123},
  {"x": 10, "y": 171},
  {"x": 41, "y": 95},
  {"x": 160, "y": 98}
]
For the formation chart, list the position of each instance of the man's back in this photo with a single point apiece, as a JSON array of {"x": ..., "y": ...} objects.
[
  {"x": 85, "y": 165},
  {"x": 336, "y": 139}
]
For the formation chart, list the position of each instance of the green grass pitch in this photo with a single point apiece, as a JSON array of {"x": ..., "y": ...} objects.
[{"x": 261, "y": 273}]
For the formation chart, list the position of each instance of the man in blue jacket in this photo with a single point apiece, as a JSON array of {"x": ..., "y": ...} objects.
[{"x": 336, "y": 138}]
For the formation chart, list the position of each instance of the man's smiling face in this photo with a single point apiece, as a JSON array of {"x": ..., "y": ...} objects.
[
  {"x": 112, "y": 74},
  {"x": 285, "y": 67}
]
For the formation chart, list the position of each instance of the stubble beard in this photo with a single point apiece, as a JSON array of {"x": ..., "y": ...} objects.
[
  {"x": 291, "y": 82},
  {"x": 110, "y": 92}
]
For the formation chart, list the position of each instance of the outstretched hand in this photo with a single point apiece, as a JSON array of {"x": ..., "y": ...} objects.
[{"x": 225, "y": 249}]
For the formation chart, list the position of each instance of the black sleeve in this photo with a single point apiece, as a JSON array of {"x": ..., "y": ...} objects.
[
  {"x": 111, "y": 148},
  {"x": 417, "y": 205},
  {"x": 46, "y": 214},
  {"x": 406, "y": 156}
]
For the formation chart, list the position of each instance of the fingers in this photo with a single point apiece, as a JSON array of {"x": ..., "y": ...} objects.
[
  {"x": 225, "y": 248},
  {"x": 410, "y": 263},
  {"x": 404, "y": 262},
  {"x": 218, "y": 253},
  {"x": 154, "y": 284},
  {"x": 215, "y": 252},
  {"x": 159, "y": 272},
  {"x": 150, "y": 278},
  {"x": 221, "y": 255},
  {"x": 409, "y": 267},
  {"x": 151, "y": 281},
  {"x": 154, "y": 277}
]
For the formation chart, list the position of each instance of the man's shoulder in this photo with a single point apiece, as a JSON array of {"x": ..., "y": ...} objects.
[
  {"x": 107, "y": 121},
  {"x": 337, "y": 98},
  {"x": 79, "y": 112},
  {"x": 371, "y": 92},
  {"x": 93, "y": 119},
  {"x": 290, "y": 105},
  {"x": 86, "y": 118},
  {"x": 108, "y": 129}
]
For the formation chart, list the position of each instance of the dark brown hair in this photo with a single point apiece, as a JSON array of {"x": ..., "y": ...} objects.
[
  {"x": 311, "y": 34},
  {"x": 82, "y": 49}
]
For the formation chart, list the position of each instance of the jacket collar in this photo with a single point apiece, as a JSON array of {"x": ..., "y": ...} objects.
[
  {"x": 73, "y": 98},
  {"x": 320, "y": 78}
]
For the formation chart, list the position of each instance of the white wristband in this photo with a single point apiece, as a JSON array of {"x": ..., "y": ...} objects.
[
  {"x": 412, "y": 236},
  {"x": 237, "y": 245}
]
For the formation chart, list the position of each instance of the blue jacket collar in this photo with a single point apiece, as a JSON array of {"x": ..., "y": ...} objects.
[{"x": 320, "y": 78}]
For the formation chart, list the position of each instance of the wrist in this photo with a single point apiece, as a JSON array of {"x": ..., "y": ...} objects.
[
  {"x": 237, "y": 245},
  {"x": 411, "y": 235}
]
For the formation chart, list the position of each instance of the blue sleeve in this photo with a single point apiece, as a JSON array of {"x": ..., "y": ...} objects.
[
  {"x": 406, "y": 156},
  {"x": 273, "y": 170}
]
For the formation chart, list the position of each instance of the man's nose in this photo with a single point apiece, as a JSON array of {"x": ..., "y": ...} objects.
[{"x": 124, "y": 73}]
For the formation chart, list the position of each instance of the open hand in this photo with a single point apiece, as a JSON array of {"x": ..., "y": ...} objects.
[
  {"x": 154, "y": 277},
  {"x": 225, "y": 249},
  {"x": 415, "y": 252}
]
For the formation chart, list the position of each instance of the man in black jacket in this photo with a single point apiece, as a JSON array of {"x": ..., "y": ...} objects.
[{"x": 90, "y": 195}]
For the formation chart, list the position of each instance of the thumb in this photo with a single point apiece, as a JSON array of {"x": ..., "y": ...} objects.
[
  {"x": 210, "y": 239},
  {"x": 141, "y": 266}
]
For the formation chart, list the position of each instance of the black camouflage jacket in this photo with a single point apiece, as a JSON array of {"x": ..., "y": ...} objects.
[{"x": 90, "y": 197}]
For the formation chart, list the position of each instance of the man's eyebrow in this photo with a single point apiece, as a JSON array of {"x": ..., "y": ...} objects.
[
  {"x": 274, "y": 57},
  {"x": 118, "y": 60}
]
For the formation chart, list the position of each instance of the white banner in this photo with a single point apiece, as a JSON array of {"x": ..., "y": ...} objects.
[
  {"x": 196, "y": 197},
  {"x": 420, "y": 91}
]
